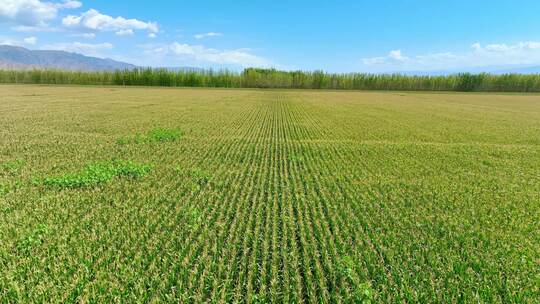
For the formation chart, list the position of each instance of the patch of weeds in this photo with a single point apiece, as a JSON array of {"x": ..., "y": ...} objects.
[
  {"x": 154, "y": 135},
  {"x": 163, "y": 135},
  {"x": 12, "y": 167},
  {"x": 97, "y": 174},
  {"x": 258, "y": 298},
  {"x": 346, "y": 267},
  {"x": 123, "y": 141},
  {"x": 201, "y": 177},
  {"x": 362, "y": 292},
  {"x": 5, "y": 188},
  {"x": 193, "y": 217},
  {"x": 35, "y": 238}
]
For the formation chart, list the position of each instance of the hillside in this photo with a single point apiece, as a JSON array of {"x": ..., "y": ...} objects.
[{"x": 14, "y": 57}]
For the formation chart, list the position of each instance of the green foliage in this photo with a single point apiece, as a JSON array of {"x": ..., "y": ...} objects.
[
  {"x": 271, "y": 78},
  {"x": 4, "y": 189},
  {"x": 11, "y": 167},
  {"x": 163, "y": 135},
  {"x": 200, "y": 177},
  {"x": 97, "y": 174},
  {"x": 363, "y": 294},
  {"x": 346, "y": 267},
  {"x": 10, "y": 186},
  {"x": 33, "y": 239},
  {"x": 193, "y": 217},
  {"x": 154, "y": 135}
]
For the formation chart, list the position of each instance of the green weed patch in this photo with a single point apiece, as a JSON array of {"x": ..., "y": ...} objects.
[
  {"x": 199, "y": 176},
  {"x": 11, "y": 167},
  {"x": 97, "y": 174},
  {"x": 33, "y": 239}
]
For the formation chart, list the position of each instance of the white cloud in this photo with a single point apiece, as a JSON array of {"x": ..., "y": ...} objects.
[
  {"x": 393, "y": 56},
  {"x": 152, "y": 35},
  {"x": 81, "y": 48},
  {"x": 69, "y": 5},
  {"x": 436, "y": 56},
  {"x": 396, "y": 55},
  {"x": 198, "y": 55},
  {"x": 34, "y": 29},
  {"x": 9, "y": 41},
  {"x": 85, "y": 35},
  {"x": 476, "y": 46},
  {"x": 93, "y": 20},
  {"x": 32, "y": 13},
  {"x": 374, "y": 60},
  {"x": 126, "y": 32},
  {"x": 207, "y": 35},
  {"x": 532, "y": 45},
  {"x": 30, "y": 40},
  {"x": 503, "y": 47},
  {"x": 499, "y": 54}
]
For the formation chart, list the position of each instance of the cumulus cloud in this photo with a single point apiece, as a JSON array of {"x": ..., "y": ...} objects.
[
  {"x": 125, "y": 32},
  {"x": 30, "y": 40},
  {"x": 32, "y": 13},
  {"x": 393, "y": 56},
  {"x": 81, "y": 48},
  {"x": 476, "y": 46},
  {"x": 207, "y": 35},
  {"x": 201, "y": 55},
  {"x": 396, "y": 55},
  {"x": 500, "y": 54},
  {"x": 93, "y": 20}
]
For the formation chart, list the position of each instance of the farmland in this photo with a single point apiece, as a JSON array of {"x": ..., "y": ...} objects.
[{"x": 113, "y": 194}]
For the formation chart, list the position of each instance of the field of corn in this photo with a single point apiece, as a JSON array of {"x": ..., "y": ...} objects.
[{"x": 120, "y": 195}]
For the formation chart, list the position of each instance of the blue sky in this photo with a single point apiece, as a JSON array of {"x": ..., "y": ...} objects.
[{"x": 336, "y": 36}]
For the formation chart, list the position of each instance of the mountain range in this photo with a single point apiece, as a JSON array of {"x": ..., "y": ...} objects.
[{"x": 15, "y": 57}]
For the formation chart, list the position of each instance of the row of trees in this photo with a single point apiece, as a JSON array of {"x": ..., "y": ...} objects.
[{"x": 271, "y": 78}]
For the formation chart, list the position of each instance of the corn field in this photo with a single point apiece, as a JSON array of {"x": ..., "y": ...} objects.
[{"x": 120, "y": 195}]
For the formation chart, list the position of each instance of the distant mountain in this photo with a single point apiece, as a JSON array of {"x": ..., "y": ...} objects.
[{"x": 14, "y": 57}]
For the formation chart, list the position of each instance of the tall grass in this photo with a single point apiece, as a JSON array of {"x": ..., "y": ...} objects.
[{"x": 271, "y": 78}]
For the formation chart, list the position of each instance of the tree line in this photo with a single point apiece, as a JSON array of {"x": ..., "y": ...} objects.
[{"x": 271, "y": 78}]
